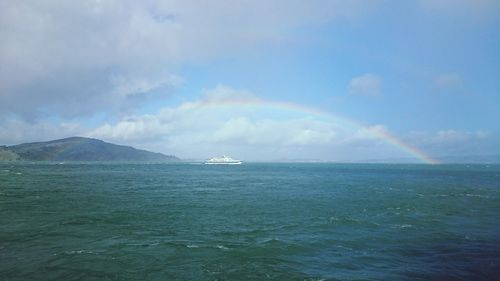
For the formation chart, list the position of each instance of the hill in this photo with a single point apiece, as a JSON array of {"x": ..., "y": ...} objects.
[{"x": 79, "y": 149}]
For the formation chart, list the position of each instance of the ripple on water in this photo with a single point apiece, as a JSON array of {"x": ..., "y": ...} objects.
[{"x": 257, "y": 222}]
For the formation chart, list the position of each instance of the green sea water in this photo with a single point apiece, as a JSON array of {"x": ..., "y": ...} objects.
[{"x": 249, "y": 222}]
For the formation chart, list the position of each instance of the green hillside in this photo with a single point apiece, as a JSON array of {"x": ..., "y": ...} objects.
[{"x": 79, "y": 149}]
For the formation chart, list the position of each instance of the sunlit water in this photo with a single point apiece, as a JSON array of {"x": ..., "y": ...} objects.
[{"x": 249, "y": 222}]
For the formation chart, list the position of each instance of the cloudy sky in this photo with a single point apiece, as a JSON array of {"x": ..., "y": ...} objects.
[{"x": 258, "y": 80}]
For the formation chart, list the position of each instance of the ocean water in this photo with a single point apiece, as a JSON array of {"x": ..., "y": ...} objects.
[{"x": 249, "y": 222}]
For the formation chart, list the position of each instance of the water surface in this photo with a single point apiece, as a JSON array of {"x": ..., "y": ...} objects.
[{"x": 249, "y": 222}]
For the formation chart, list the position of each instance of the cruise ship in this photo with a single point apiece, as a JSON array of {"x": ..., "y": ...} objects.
[{"x": 224, "y": 160}]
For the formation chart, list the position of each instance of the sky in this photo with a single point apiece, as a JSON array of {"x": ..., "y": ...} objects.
[{"x": 345, "y": 81}]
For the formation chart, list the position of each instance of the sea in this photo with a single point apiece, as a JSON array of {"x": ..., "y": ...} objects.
[{"x": 255, "y": 221}]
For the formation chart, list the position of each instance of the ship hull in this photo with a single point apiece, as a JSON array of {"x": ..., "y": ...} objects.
[{"x": 223, "y": 163}]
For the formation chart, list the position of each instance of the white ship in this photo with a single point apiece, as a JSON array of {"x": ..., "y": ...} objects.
[{"x": 224, "y": 160}]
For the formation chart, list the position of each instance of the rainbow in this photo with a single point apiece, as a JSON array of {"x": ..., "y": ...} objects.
[{"x": 382, "y": 135}]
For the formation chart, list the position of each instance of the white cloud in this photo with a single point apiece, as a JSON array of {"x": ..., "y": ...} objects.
[
  {"x": 130, "y": 86},
  {"x": 365, "y": 85},
  {"x": 133, "y": 128},
  {"x": 456, "y": 143},
  {"x": 71, "y": 58},
  {"x": 223, "y": 92},
  {"x": 447, "y": 137},
  {"x": 222, "y": 122},
  {"x": 242, "y": 130},
  {"x": 370, "y": 133},
  {"x": 14, "y": 131},
  {"x": 219, "y": 121}
]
